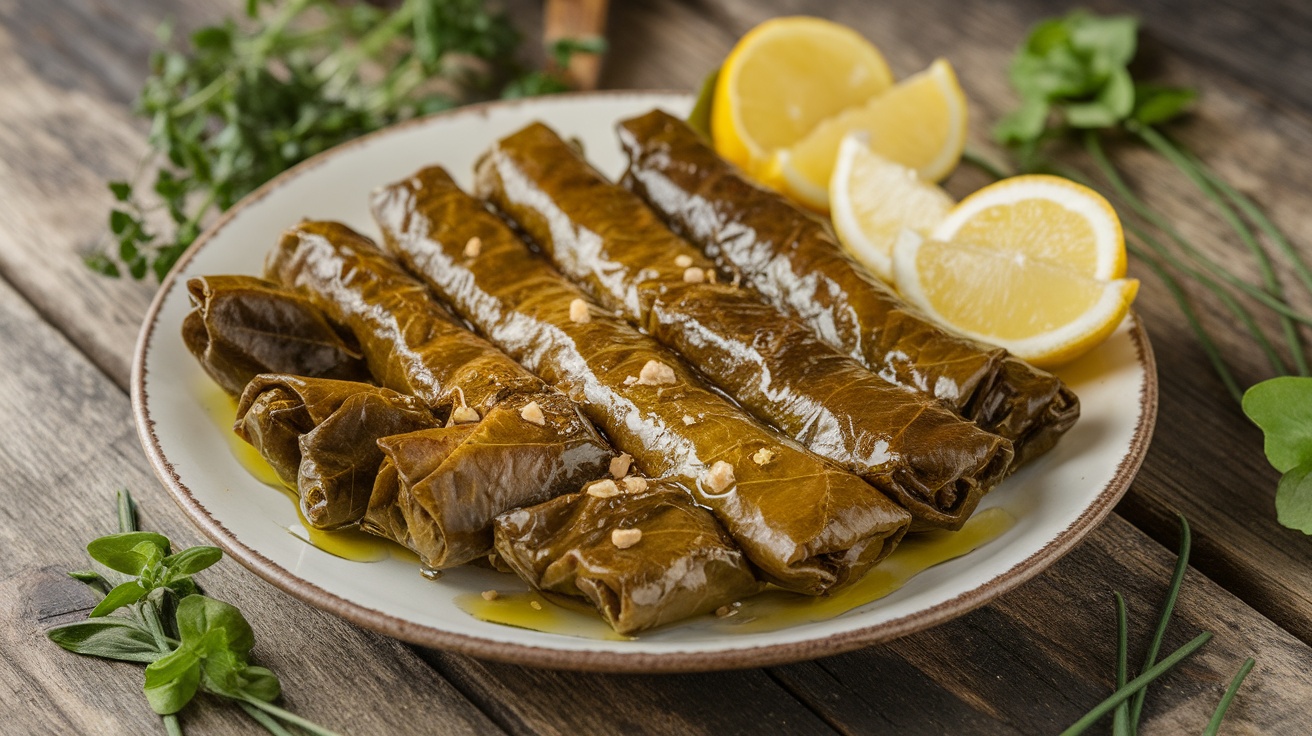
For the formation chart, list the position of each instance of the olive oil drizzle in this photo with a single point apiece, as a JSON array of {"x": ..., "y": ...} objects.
[{"x": 348, "y": 544}]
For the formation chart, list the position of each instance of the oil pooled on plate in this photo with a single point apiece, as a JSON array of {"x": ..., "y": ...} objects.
[
  {"x": 348, "y": 544},
  {"x": 532, "y": 610},
  {"x": 768, "y": 611}
]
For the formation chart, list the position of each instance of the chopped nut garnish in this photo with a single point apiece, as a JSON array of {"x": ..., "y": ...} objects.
[
  {"x": 533, "y": 413},
  {"x": 630, "y": 380},
  {"x": 688, "y": 420},
  {"x": 726, "y": 611},
  {"x": 763, "y": 456},
  {"x": 710, "y": 276},
  {"x": 464, "y": 415},
  {"x": 683, "y": 260},
  {"x": 578, "y": 312},
  {"x": 719, "y": 477},
  {"x": 473, "y": 247},
  {"x": 635, "y": 484},
  {"x": 535, "y": 605},
  {"x": 619, "y": 466},
  {"x": 490, "y": 595},
  {"x": 603, "y": 489},
  {"x": 656, "y": 373},
  {"x": 694, "y": 275},
  {"x": 625, "y": 538}
]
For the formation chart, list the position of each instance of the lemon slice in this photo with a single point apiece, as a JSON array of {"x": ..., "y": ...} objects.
[
  {"x": 785, "y": 76},
  {"x": 1039, "y": 310},
  {"x": 873, "y": 200},
  {"x": 920, "y": 123},
  {"x": 1045, "y": 217}
]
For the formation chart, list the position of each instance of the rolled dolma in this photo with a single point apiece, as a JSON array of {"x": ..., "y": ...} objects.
[
  {"x": 792, "y": 258},
  {"x": 644, "y": 558},
  {"x": 242, "y": 326},
  {"x": 933, "y": 463},
  {"x": 429, "y": 494},
  {"x": 803, "y": 522},
  {"x": 320, "y": 436},
  {"x": 540, "y": 446}
]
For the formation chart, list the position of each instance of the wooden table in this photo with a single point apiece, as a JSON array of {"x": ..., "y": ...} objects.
[{"x": 1029, "y": 663}]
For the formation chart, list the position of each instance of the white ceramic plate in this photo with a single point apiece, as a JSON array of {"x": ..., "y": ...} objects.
[{"x": 1056, "y": 500}]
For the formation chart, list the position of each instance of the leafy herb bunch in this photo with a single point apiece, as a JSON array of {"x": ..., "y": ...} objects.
[
  {"x": 245, "y": 102},
  {"x": 152, "y": 612},
  {"x": 1073, "y": 74}
]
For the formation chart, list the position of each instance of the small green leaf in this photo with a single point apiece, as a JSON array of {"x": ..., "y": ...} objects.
[
  {"x": 700, "y": 117},
  {"x": 1155, "y": 104},
  {"x": 200, "y": 615},
  {"x": 120, "y": 222},
  {"x": 122, "y": 190},
  {"x": 124, "y": 594},
  {"x": 101, "y": 264},
  {"x": 1113, "y": 103},
  {"x": 91, "y": 579},
  {"x": 172, "y": 681},
  {"x": 260, "y": 683},
  {"x": 1282, "y": 407},
  {"x": 108, "y": 638},
  {"x": 212, "y": 38},
  {"x": 192, "y": 560},
  {"x": 129, "y": 553},
  {"x": 1294, "y": 499},
  {"x": 1110, "y": 39},
  {"x": 1025, "y": 123}
]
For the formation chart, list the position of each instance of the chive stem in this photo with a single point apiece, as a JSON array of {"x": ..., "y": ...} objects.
[
  {"x": 127, "y": 512},
  {"x": 1214, "y": 725},
  {"x": 1095, "y": 150},
  {"x": 290, "y": 717},
  {"x": 1168, "y": 607},
  {"x": 1121, "y": 718},
  {"x": 1190, "y": 166},
  {"x": 1136, "y": 685},
  {"x": 1124, "y": 196},
  {"x": 264, "y": 719}
]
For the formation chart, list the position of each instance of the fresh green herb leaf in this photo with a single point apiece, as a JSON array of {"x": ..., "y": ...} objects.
[
  {"x": 1282, "y": 408},
  {"x": 700, "y": 117},
  {"x": 172, "y": 681},
  {"x": 1156, "y": 104},
  {"x": 130, "y": 553},
  {"x": 191, "y": 560},
  {"x": 124, "y": 594},
  {"x": 108, "y": 638},
  {"x": 1294, "y": 498}
]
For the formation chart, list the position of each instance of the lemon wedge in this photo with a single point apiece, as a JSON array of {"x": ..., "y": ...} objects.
[
  {"x": 1040, "y": 310},
  {"x": 785, "y": 76},
  {"x": 1045, "y": 217},
  {"x": 919, "y": 123},
  {"x": 873, "y": 200}
]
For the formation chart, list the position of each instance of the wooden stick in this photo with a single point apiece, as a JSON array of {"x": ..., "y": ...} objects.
[{"x": 577, "y": 19}]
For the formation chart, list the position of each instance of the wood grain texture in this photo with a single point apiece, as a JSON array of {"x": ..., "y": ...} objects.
[{"x": 66, "y": 444}]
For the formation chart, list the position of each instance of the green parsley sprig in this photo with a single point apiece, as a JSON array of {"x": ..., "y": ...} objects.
[
  {"x": 152, "y": 612},
  {"x": 243, "y": 102}
]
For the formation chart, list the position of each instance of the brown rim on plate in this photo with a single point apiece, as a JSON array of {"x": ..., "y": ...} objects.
[{"x": 604, "y": 661}]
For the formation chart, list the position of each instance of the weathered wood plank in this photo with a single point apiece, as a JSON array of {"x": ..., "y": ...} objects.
[{"x": 66, "y": 443}]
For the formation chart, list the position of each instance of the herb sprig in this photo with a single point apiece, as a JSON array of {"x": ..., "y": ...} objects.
[
  {"x": 245, "y": 101},
  {"x": 152, "y": 612},
  {"x": 1126, "y": 703},
  {"x": 1074, "y": 78}
]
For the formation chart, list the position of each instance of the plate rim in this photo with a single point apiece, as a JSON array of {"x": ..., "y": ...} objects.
[{"x": 600, "y": 661}]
